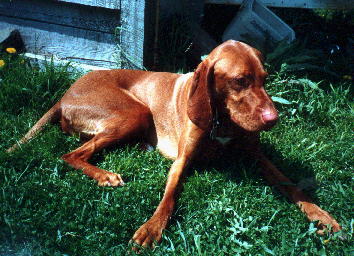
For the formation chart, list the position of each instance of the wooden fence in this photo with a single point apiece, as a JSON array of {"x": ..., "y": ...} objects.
[{"x": 105, "y": 33}]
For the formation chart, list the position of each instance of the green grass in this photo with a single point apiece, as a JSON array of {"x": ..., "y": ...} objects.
[{"x": 226, "y": 208}]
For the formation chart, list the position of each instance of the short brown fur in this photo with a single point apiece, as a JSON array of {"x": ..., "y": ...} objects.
[{"x": 177, "y": 114}]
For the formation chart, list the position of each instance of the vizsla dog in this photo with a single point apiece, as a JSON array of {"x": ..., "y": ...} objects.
[{"x": 179, "y": 114}]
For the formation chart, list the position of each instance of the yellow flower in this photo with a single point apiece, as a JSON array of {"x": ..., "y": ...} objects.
[
  {"x": 2, "y": 63},
  {"x": 326, "y": 241},
  {"x": 347, "y": 77},
  {"x": 11, "y": 50}
]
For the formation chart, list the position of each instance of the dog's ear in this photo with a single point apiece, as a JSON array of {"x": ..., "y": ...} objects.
[{"x": 199, "y": 109}]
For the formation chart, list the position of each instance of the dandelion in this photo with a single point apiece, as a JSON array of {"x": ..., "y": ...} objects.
[
  {"x": 347, "y": 77},
  {"x": 2, "y": 63},
  {"x": 11, "y": 50}
]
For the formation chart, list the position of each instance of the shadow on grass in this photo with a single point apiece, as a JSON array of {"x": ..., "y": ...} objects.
[
  {"x": 235, "y": 165},
  {"x": 239, "y": 167}
]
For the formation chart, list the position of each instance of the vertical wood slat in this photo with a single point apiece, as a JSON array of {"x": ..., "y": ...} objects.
[{"x": 132, "y": 33}]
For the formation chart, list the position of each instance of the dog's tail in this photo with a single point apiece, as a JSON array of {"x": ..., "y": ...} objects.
[{"x": 51, "y": 116}]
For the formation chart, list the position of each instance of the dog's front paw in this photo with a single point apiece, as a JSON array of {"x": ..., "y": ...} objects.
[
  {"x": 147, "y": 235},
  {"x": 326, "y": 223},
  {"x": 110, "y": 179},
  {"x": 325, "y": 220}
]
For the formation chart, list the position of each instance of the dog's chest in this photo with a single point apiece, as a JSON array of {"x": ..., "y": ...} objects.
[
  {"x": 167, "y": 138},
  {"x": 167, "y": 147},
  {"x": 169, "y": 118}
]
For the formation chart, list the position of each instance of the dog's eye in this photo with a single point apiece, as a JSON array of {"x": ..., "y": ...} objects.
[
  {"x": 239, "y": 83},
  {"x": 242, "y": 81}
]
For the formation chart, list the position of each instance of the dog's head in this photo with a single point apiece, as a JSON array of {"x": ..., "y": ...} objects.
[{"x": 231, "y": 81}]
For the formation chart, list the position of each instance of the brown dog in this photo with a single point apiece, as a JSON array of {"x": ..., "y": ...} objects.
[{"x": 179, "y": 114}]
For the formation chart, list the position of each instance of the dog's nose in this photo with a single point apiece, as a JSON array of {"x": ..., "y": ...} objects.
[{"x": 269, "y": 117}]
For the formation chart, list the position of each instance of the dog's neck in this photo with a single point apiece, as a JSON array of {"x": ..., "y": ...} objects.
[
  {"x": 223, "y": 127},
  {"x": 215, "y": 124}
]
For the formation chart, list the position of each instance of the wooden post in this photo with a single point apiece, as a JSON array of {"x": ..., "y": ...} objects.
[{"x": 132, "y": 33}]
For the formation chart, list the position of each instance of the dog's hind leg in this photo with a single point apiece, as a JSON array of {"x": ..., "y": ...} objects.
[{"x": 115, "y": 130}]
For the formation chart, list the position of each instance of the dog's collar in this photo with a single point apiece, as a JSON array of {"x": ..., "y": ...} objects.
[{"x": 215, "y": 125}]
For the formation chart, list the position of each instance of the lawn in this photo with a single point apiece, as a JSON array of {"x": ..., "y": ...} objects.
[{"x": 225, "y": 208}]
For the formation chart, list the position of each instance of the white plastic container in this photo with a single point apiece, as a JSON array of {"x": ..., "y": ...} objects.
[{"x": 256, "y": 25}]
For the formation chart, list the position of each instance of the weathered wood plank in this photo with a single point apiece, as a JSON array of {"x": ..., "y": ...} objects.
[
  {"x": 84, "y": 46},
  {"x": 310, "y": 4},
  {"x": 108, "y": 33},
  {"x": 42, "y": 61},
  {"x": 111, "y": 4},
  {"x": 86, "y": 17}
]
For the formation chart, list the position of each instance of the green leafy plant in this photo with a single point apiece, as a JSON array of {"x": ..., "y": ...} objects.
[{"x": 295, "y": 58}]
